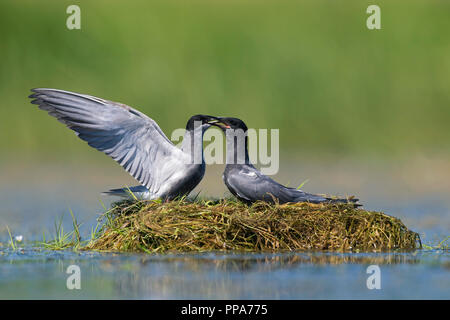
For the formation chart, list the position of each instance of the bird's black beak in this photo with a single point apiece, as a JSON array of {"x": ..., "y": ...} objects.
[{"x": 218, "y": 122}]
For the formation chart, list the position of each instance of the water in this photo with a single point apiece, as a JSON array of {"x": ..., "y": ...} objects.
[
  {"x": 33, "y": 273},
  {"x": 42, "y": 274}
]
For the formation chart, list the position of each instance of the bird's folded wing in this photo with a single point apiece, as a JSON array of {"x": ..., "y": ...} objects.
[
  {"x": 128, "y": 136},
  {"x": 245, "y": 183},
  {"x": 252, "y": 185}
]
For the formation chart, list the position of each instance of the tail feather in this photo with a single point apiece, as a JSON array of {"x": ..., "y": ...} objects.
[
  {"x": 136, "y": 192},
  {"x": 314, "y": 198},
  {"x": 350, "y": 200},
  {"x": 116, "y": 192}
]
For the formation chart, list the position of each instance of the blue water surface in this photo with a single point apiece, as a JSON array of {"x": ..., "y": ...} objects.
[{"x": 33, "y": 273}]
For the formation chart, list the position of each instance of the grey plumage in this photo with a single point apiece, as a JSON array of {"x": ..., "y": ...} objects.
[
  {"x": 249, "y": 185},
  {"x": 131, "y": 138}
]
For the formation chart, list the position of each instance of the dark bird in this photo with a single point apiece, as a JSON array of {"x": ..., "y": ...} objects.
[
  {"x": 134, "y": 140},
  {"x": 246, "y": 182}
]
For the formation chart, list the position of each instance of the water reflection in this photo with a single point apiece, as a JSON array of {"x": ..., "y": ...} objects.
[
  {"x": 42, "y": 274},
  {"x": 260, "y": 275}
]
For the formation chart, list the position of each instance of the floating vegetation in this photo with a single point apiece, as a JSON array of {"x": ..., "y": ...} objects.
[
  {"x": 223, "y": 225},
  {"x": 442, "y": 245}
]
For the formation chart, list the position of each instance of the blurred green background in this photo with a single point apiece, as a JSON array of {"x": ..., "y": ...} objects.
[{"x": 310, "y": 68}]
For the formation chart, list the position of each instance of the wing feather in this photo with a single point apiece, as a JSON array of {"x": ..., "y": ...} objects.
[{"x": 128, "y": 136}]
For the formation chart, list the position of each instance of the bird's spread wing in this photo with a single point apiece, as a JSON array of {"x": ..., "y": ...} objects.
[{"x": 128, "y": 136}]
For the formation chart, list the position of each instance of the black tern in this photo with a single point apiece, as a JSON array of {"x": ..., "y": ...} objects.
[
  {"x": 247, "y": 183},
  {"x": 134, "y": 140}
]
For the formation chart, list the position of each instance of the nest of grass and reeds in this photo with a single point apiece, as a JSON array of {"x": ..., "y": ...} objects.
[{"x": 182, "y": 226}]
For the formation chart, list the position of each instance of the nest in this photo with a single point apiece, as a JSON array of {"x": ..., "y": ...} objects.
[{"x": 223, "y": 225}]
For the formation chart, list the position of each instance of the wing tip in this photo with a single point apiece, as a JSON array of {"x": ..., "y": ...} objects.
[
  {"x": 48, "y": 90},
  {"x": 37, "y": 92}
]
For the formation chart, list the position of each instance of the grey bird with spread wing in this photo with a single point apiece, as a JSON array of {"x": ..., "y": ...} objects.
[
  {"x": 134, "y": 140},
  {"x": 247, "y": 183}
]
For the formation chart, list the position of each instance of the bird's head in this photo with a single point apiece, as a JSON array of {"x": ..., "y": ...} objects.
[{"x": 202, "y": 120}]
